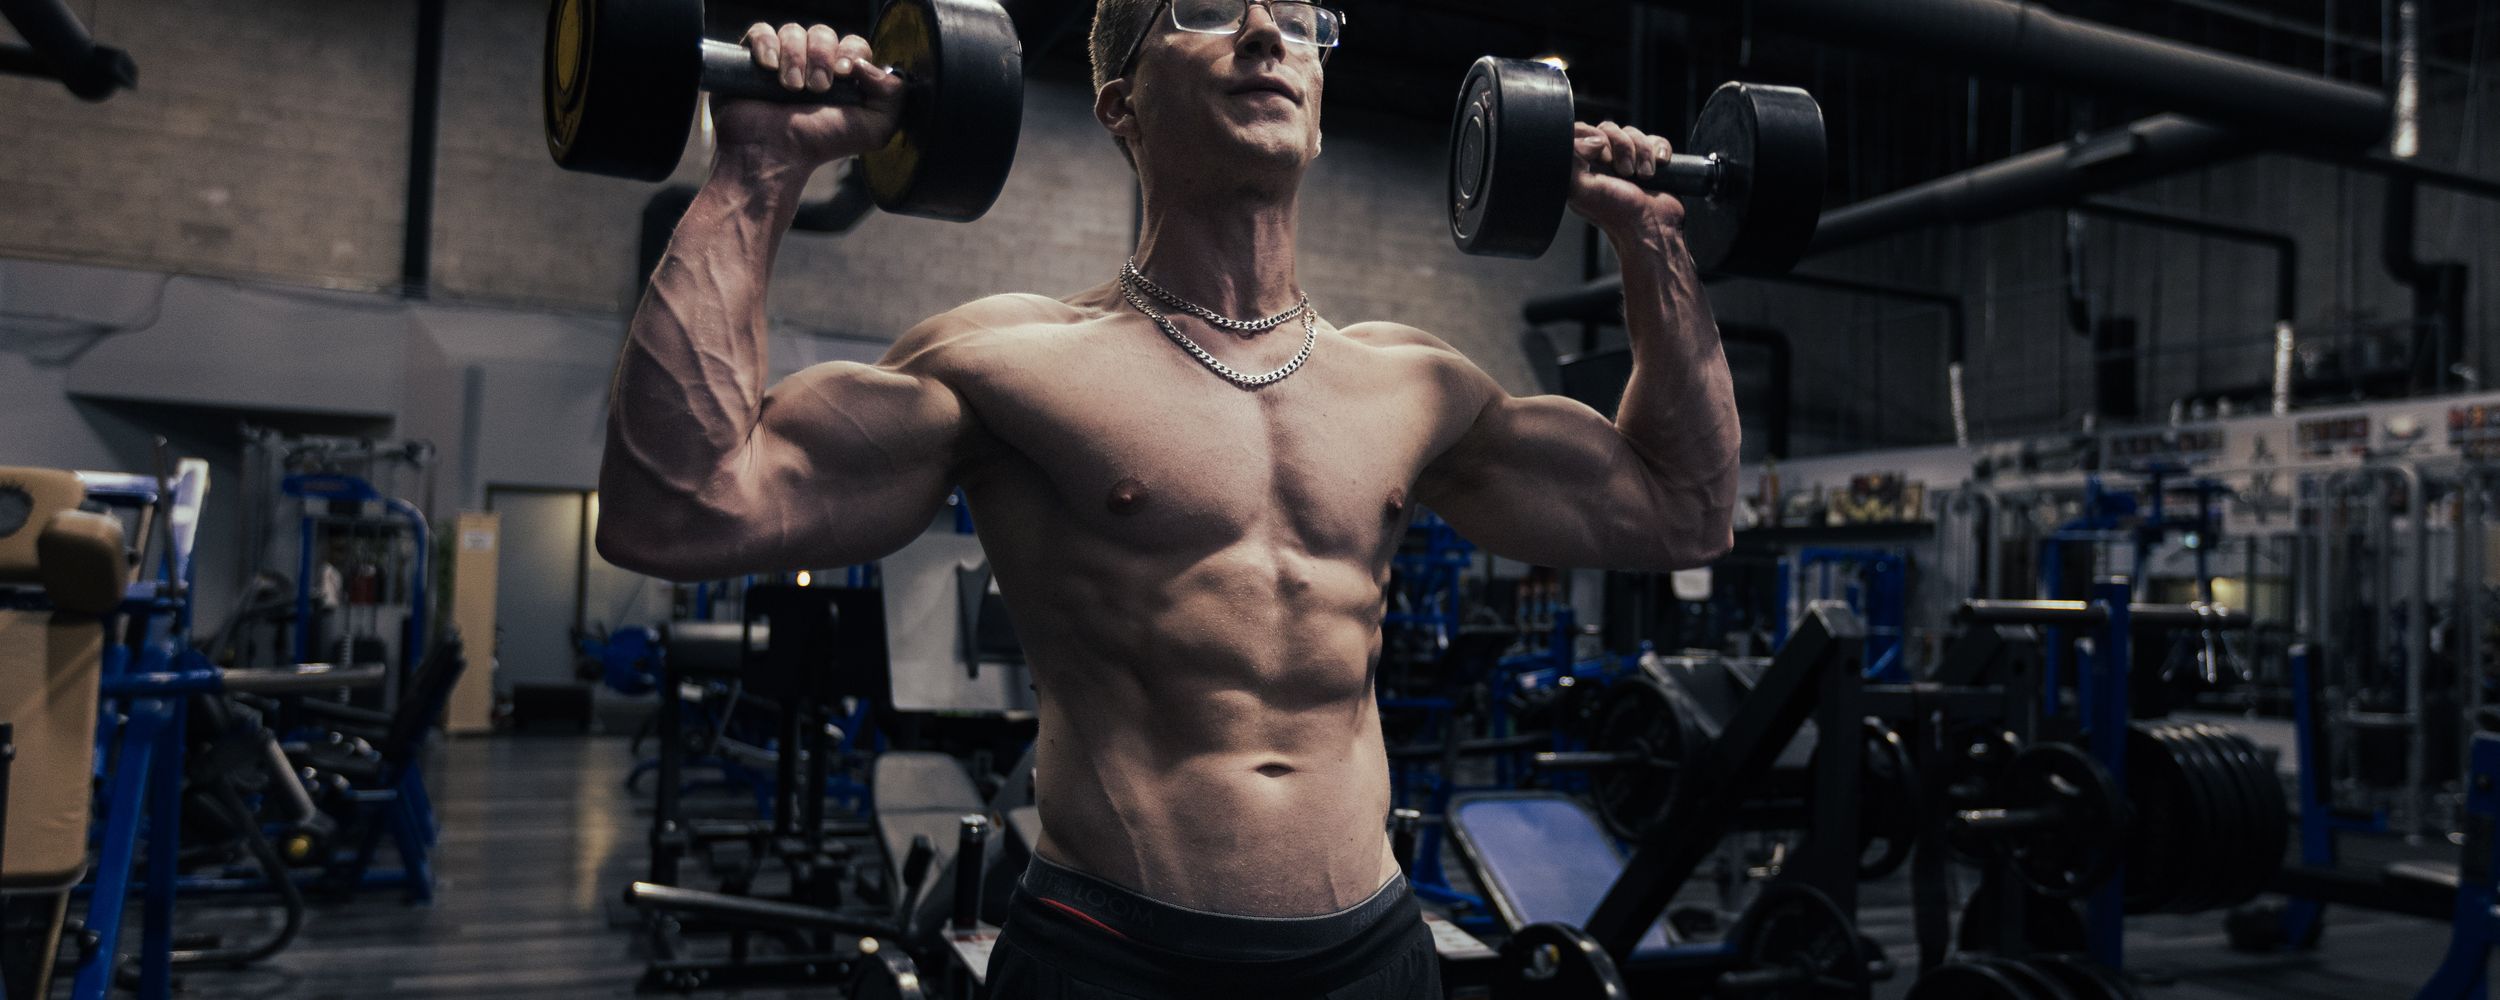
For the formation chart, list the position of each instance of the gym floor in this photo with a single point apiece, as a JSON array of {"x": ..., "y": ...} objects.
[{"x": 540, "y": 837}]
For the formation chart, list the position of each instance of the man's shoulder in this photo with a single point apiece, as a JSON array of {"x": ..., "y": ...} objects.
[
  {"x": 1387, "y": 335},
  {"x": 981, "y": 326}
]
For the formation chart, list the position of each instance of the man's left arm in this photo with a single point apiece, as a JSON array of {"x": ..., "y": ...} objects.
[{"x": 1546, "y": 479}]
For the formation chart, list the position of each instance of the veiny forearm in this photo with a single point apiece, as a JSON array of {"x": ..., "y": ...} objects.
[
  {"x": 1679, "y": 408},
  {"x": 690, "y": 386}
]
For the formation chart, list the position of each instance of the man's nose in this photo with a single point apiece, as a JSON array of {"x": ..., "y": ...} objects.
[{"x": 1260, "y": 35}]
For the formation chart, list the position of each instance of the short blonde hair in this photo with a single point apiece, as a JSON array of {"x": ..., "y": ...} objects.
[{"x": 1118, "y": 24}]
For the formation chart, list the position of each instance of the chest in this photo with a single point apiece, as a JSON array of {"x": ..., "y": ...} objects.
[{"x": 1146, "y": 445}]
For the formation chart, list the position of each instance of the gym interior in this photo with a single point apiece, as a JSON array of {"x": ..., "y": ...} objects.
[{"x": 2112, "y": 607}]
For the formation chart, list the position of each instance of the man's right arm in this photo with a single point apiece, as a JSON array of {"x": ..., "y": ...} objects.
[{"x": 709, "y": 474}]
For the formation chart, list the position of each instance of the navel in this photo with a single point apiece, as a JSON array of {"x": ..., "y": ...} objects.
[
  {"x": 1275, "y": 770},
  {"x": 1128, "y": 496}
]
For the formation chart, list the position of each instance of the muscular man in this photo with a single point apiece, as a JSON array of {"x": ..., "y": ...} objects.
[{"x": 1191, "y": 520}]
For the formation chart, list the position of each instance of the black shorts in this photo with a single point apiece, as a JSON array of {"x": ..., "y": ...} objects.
[{"x": 1071, "y": 936}]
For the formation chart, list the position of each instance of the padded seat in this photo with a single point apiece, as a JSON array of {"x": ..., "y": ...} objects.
[
  {"x": 49, "y": 666},
  {"x": 1540, "y": 856},
  {"x": 921, "y": 794}
]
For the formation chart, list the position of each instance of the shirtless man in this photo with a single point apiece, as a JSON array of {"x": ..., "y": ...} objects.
[{"x": 1196, "y": 567}]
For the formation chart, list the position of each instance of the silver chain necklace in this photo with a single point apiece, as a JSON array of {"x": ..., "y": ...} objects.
[
  {"x": 1131, "y": 284},
  {"x": 1130, "y": 273}
]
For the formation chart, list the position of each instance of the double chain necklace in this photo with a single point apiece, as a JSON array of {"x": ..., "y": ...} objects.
[{"x": 1136, "y": 289}]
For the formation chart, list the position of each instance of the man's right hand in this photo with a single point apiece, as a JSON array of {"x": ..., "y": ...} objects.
[{"x": 810, "y": 60}]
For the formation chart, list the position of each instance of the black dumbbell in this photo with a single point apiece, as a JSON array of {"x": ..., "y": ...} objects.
[
  {"x": 623, "y": 78},
  {"x": 1751, "y": 176}
]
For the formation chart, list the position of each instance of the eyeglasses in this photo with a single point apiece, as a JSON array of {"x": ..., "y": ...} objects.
[{"x": 1305, "y": 23}]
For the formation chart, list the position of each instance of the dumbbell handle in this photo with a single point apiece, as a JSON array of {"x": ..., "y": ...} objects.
[
  {"x": 1684, "y": 174},
  {"x": 730, "y": 71}
]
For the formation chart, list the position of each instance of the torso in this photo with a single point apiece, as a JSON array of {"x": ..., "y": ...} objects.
[{"x": 1196, "y": 572}]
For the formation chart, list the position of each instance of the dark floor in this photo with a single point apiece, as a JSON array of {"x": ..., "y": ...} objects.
[{"x": 539, "y": 837}]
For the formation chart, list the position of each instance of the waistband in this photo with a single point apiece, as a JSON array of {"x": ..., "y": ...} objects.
[{"x": 1136, "y": 917}]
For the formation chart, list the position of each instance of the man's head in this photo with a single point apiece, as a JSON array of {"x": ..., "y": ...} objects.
[{"x": 1230, "y": 77}]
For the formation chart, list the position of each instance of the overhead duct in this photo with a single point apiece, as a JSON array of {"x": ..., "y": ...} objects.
[
  {"x": 2028, "y": 43},
  {"x": 59, "y": 48}
]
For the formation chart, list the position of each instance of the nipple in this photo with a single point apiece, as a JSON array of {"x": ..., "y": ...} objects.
[
  {"x": 1394, "y": 504},
  {"x": 1127, "y": 497}
]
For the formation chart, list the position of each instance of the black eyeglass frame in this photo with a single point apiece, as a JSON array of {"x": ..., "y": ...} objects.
[{"x": 1137, "y": 47}]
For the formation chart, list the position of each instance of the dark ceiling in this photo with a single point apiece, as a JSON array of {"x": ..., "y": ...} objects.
[{"x": 1892, "y": 121}]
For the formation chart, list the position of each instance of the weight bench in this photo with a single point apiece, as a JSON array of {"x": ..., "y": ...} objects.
[
  {"x": 1541, "y": 856},
  {"x": 61, "y": 570}
]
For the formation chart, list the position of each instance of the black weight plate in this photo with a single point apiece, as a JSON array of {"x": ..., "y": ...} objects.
[
  {"x": 2269, "y": 816},
  {"x": 1791, "y": 925},
  {"x": 2048, "y": 924},
  {"x": 1637, "y": 716},
  {"x": 2268, "y": 819},
  {"x": 2086, "y": 979},
  {"x": 1769, "y": 142},
  {"x": 2164, "y": 813},
  {"x": 1556, "y": 960},
  {"x": 1973, "y": 774},
  {"x": 2067, "y": 859},
  {"x": 2237, "y": 865},
  {"x": 1511, "y": 162},
  {"x": 620, "y": 83},
  {"x": 1967, "y": 981},
  {"x": 2214, "y": 841},
  {"x": 963, "y": 107},
  {"x": 2039, "y": 984},
  {"x": 1888, "y": 801}
]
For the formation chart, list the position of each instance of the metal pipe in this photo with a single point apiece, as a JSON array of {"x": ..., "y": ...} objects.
[
  {"x": 416, "y": 257},
  {"x": 2286, "y": 275},
  {"x": 2027, "y": 43}
]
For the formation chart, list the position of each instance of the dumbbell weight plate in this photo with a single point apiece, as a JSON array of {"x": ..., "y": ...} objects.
[
  {"x": 963, "y": 107},
  {"x": 1556, "y": 960},
  {"x": 1793, "y": 926},
  {"x": 2268, "y": 819},
  {"x": 1968, "y": 981},
  {"x": 1888, "y": 801},
  {"x": 620, "y": 84},
  {"x": 1638, "y": 716},
  {"x": 1770, "y": 145},
  {"x": 2084, "y": 978},
  {"x": 2034, "y": 982},
  {"x": 1511, "y": 163},
  {"x": 2167, "y": 814}
]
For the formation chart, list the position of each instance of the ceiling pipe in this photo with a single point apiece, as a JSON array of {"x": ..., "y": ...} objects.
[
  {"x": 2052, "y": 175},
  {"x": 2286, "y": 274},
  {"x": 2027, "y": 43}
]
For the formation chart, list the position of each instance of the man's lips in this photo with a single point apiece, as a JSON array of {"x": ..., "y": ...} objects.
[{"x": 1266, "y": 86}]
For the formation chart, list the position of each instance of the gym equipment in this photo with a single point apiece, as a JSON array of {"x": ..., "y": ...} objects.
[
  {"x": 2061, "y": 824},
  {"x": 1648, "y": 728},
  {"x": 2037, "y": 977},
  {"x": 1751, "y": 175},
  {"x": 1540, "y": 856},
  {"x": 623, "y": 78}
]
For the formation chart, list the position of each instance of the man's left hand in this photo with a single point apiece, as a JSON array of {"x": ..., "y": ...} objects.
[{"x": 1607, "y": 154}]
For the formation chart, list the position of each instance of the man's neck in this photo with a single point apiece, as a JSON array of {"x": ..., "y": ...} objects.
[{"x": 1231, "y": 251}]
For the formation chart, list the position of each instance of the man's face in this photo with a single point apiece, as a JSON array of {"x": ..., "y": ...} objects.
[{"x": 1200, "y": 96}]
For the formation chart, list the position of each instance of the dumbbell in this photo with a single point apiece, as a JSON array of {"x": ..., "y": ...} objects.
[
  {"x": 1751, "y": 176},
  {"x": 623, "y": 78}
]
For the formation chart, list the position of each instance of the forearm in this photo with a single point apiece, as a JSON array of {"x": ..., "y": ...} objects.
[
  {"x": 1679, "y": 408},
  {"x": 689, "y": 388}
]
